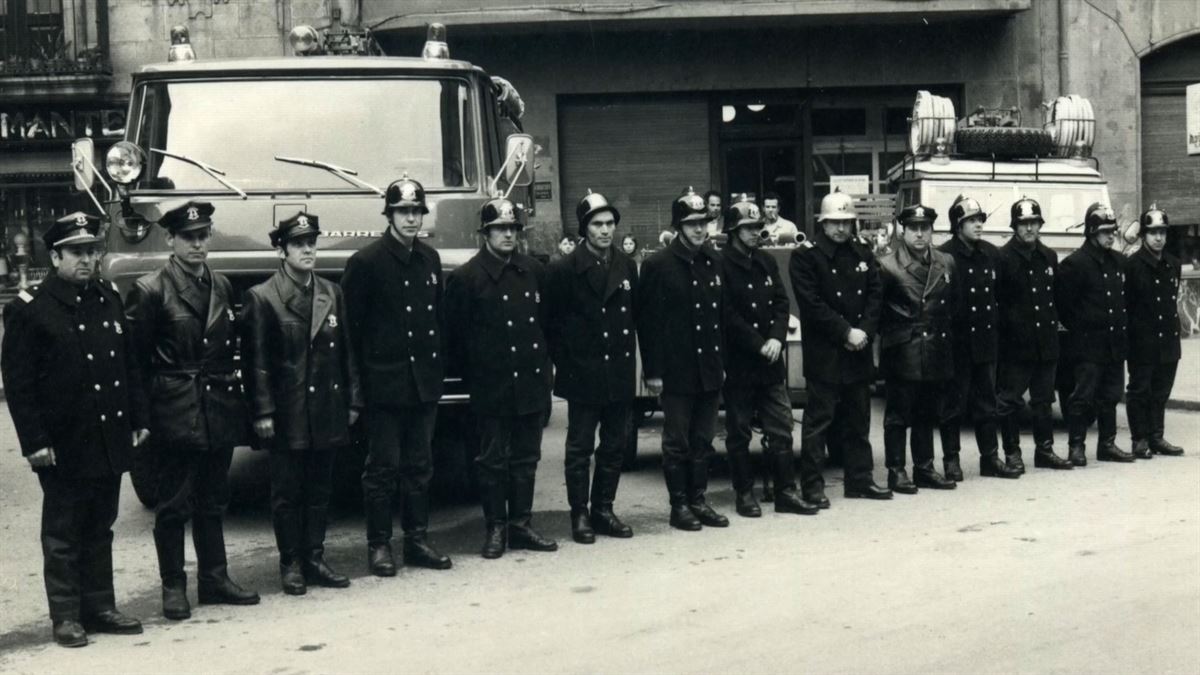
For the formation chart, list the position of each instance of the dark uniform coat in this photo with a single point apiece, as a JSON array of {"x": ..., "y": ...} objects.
[
  {"x": 1090, "y": 293},
  {"x": 394, "y": 304},
  {"x": 590, "y": 326},
  {"x": 298, "y": 362},
  {"x": 1025, "y": 296},
  {"x": 494, "y": 318},
  {"x": 837, "y": 288},
  {"x": 915, "y": 323},
  {"x": 976, "y": 328},
  {"x": 758, "y": 311},
  {"x": 70, "y": 379},
  {"x": 679, "y": 319},
  {"x": 1152, "y": 287},
  {"x": 186, "y": 348}
]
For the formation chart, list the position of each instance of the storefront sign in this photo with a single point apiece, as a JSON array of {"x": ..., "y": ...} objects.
[
  {"x": 21, "y": 124},
  {"x": 851, "y": 184},
  {"x": 1193, "y": 119}
]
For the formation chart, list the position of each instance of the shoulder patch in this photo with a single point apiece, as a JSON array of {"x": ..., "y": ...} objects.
[
  {"x": 25, "y": 296},
  {"x": 806, "y": 244}
]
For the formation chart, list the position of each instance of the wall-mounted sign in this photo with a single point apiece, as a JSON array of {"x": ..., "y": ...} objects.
[
  {"x": 851, "y": 184},
  {"x": 542, "y": 191},
  {"x": 1193, "y": 119},
  {"x": 46, "y": 124}
]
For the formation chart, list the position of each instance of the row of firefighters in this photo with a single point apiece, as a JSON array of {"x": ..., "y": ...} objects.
[{"x": 965, "y": 331}]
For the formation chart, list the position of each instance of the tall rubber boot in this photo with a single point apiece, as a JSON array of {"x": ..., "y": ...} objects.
[
  {"x": 743, "y": 485},
  {"x": 675, "y": 474},
  {"x": 494, "y": 497},
  {"x": 1157, "y": 416},
  {"x": 1010, "y": 437},
  {"x": 1077, "y": 425},
  {"x": 697, "y": 488},
  {"x": 213, "y": 585},
  {"x": 415, "y": 521},
  {"x": 604, "y": 492},
  {"x": 1139, "y": 429},
  {"x": 380, "y": 560},
  {"x": 168, "y": 542},
  {"x": 1106, "y": 426},
  {"x": 521, "y": 534},
  {"x": 577, "y": 498},
  {"x": 316, "y": 570},
  {"x": 787, "y": 498},
  {"x": 951, "y": 435},
  {"x": 812, "y": 482}
]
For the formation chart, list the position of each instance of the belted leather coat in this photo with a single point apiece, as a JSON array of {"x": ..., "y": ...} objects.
[{"x": 915, "y": 325}]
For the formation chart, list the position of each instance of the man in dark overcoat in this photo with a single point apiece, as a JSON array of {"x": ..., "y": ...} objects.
[
  {"x": 916, "y": 348},
  {"x": 590, "y": 296},
  {"x": 303, "y": 390},
  {"x": 835, "y": 280},
  {"x": 393, "y": 289},
  {"x": 494, "y": 314},
  {"x": 976, "y": 344},
  {"x": 184, "y": 327},
  {"x": 1152, "y": 278},
  {"x": 1029, "y": 343},
  {"x": 679, "y": 314},
  {"x": 756, "y": 326},
  {"x": 1090, "y": 294},
  {"x": 78, "y": 407}
]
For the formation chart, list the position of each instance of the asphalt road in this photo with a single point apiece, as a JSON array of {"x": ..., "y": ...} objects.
[{"x": 1095, "y": 570}]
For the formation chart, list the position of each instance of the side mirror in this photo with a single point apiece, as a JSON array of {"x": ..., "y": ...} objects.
[
  {"x": 83, "y": 154},
  {"x": 519, "y": 154}
]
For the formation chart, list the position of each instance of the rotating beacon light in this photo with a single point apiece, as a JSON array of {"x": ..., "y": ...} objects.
[
  {"x": 435, "y": 43},
  {"x": 181, "y": 45}
]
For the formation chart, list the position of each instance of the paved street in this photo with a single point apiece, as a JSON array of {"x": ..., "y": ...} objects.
[{"x": 1095, "y": 570}]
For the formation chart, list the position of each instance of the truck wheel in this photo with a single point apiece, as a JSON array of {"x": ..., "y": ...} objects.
[
  {"x": 455, "y": 446},
  {"x": 1004, "y": 141},
  {"x": 143, "y": 474}
]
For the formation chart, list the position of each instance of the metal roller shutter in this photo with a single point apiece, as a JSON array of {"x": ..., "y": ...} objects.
[
  {"x": 1169, "y": 176},
  {"x": 638, "y": 153}
]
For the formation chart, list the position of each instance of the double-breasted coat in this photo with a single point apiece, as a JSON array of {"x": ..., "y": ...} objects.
[
  {"x": 1152, "y": 290},
  {"x": 1028, "y": 317},
  {"x": 837, "y": 288},
  {"x": 915, "y": 323},
  {"x": 186, "y": 345},
  {"x": 298, "y": 363},
  {"x": 758, "y": 311},
  {"x": 70, "y": 378},
  {"x": 494, "y": 319},
  {"x": 394, "y": 305},
  {"x": 590, "y": 326},
  {"x": 680, "y": 312},
  {"x": 1090, "y": 294},
  {"x": 976, "y": 319}
]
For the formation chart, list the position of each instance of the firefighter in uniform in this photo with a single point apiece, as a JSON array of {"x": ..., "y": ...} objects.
[
  {"x": 835, "y": 280},
  {"x": 393, "y": 290},
  {"x": 183, "y": 324},
  {"x": 494, "y": 315},
  {"x": 1029, "y": 348},
  {"x": 976, "y": 344},
  {"x": 590, "y": 326},
  {"x": 1152, "y": 279},
  {"x": 303, "y": 391},
  {"x": 1090, "y": 294},
  {"x": 680, "y": 335},
  {"x": 916, "y": 348},
  {"x": 78, "y": 407},
  {"x": 756, "y": 325}
]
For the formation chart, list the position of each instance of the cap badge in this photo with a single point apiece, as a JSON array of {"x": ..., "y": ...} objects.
[
  {"x": 754, "y": 211},
  {"x": 193, "y": 213},
  {"x": 302, "y": 221},
  {"x": 1026, "y": 209},
  {"x": 81, "y": 220},
  {"x": 694, "y": 201}
]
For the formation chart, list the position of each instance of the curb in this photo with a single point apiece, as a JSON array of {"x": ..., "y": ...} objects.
[{"x": 1172, "y": 404}]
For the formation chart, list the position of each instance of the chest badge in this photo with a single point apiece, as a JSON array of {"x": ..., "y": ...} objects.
[
  {"x": 862, "y": 266},
  {"x": 433, "y": 278},
  {"x": 117, "y": 327},
  {"x": 769, "y": 282},
  {"x": 333, "y": 321},
  {"x": 537, "y": 297},
  {"x": 625, "y": 284},
  {"x": 1049, "y": 271},
  {"x": 229, "y": 313},
  {"x": 946, "y": 276}
]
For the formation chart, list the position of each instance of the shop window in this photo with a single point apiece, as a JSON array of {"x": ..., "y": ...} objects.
[
  {"x": 760, "y": 115},
  {"x": 839, "y": 122},
  {"x": 895, "y": 121}
]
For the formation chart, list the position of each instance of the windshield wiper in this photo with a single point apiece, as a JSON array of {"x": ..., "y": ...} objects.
[
  {"x": 347, "y": 175},
  {"x": 212, "y": 171}
]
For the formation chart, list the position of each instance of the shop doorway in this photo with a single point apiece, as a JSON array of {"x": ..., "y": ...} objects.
[{"x": 759, "y": 168}]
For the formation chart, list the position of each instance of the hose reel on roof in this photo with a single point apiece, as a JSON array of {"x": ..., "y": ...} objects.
[
  {"x": 932, "y": 118},
  {"x": 1071, "y": 124}
]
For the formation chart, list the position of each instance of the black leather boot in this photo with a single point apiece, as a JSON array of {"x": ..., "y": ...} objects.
[
  {"x": 925, "y": 476},
  {"x": 766, "y": 466},
  {"x": 316, "y": 570},
  {"x": 1141, "y": 450},
  {"x": 898, "y": 481},
  {"x": 787, "y": 498},
  {"x": 1139, "y": 429},
  {"x": 380, "y": 560},
  {"x": 1044, "y": 457},
  {"x": 992, "y": 466},
  {"x": 743, "y": 485},
  {"x": 1106, "y": 447},
  {"x": 213, "y": 586},
  {"x": 866, "y": 489},
  {"x": 418, "y": 552},
  {"x": 577, "y": 498},
  {"x": 494, "y": 497},
  {"x": 1160, "y": 446},
  {"x": 604, "y": 492},
  {"x": 894, "y": 456},
  {"x": 1076, "y": 439},
  {"x": 287, "y": 540},
  {"x": 1010, "y": 438},
  {"x": 521, "y": 534},
  {"x": 697, "y": 488},
  {"x": 69, "y": 633},
  {"x": 169, "y": 545},
  {"x": 291, "y": 578},
  {"x": 676, "y": 477},
  {"x": 951, "y": 434},
  {"x": 1157, "y": 416},
  {"x": 812, "y": 483}
]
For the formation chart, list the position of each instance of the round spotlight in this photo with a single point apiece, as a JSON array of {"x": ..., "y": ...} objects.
[{"x": 124, "y": 162}]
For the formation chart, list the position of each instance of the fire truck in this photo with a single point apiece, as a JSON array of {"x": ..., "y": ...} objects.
[{"x": 322, "y": 131}]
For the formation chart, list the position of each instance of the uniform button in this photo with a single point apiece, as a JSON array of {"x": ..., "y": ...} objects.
[
  {"x": 531, "y": 319},
  {"x": 405, "y": 283},
  {"x": 116, "y": 383},
  {"x": 510, "y": 323},
  {"x": 972, "y": 289},
  {"x": 714, "y": 306},
  {"x": 92, "y": 358},
  {"x": 860, "y": 291},
  {"x": 699, "y": 350},
  {"x": 514, "y": 349},
  {"x": 435, "y": 355},
  {"x": 208, "y": 387},
  {"x": 1108, "y": 292},
  {"x": 228, "y": 342},
  {"x": 697, "y": 305},
  {"x": 970, "y": 270},
  {"x": 412, "y": 359},
  {"x": 625, "y": 332},
  {"x": 606, "y": 357},
  {"x": 835, "y": 270},
  {"x": 431, "y": 331},
  {"x": 695, "y": 283},
  {"x": 112, "y": 353},
  {"x": 527, "y": 294},
  {"x": 205, "y": 340},
  {"x": 103, "y": 417},
  {"x": 408, "y": 308},
  {"x": 605, "y": 311},
  {"x": 756, "y": 326},
  {"x": 1038, "y": 324},
  {"x": 82, "y": 327},
  {"x": 331, "y": 345},
  {"x": 972, "y": 329},
  {"x": 972, "y": 308},
  {"x": 1160, "y": 335},
  {"x": 336, "y": 387},
  {"x": 514, "y": 373},
  {"x": 97, "y": 387},
  {"x": 410, "y": 333},
  {"x": 1036, "y": 308},
  {"x": 120, "y": 413},
  {"x": 717, "y": 348},
  {"x": 697, "y": 326},
  {"x": 535, "y": 345},
  {"x": 105, "y": 324},
  {"x": 716, "y": 327},
  {"x": 79, "y": 298},
  {"x": 537, "y": 370},
  {"x": 505, "y": 296},
  {"x": 750, "y": 286},
  {"x": 430, "y": 308},
  {"x": 754, "y": 305}
]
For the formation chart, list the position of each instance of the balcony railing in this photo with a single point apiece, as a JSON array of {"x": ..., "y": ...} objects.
[{"x": 54, "y": 38}]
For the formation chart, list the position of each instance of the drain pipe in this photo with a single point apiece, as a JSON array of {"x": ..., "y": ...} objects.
[{"x": 1064, "y": 81}]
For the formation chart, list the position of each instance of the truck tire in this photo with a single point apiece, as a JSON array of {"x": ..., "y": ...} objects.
[
  {"x": 1004, "y": 141},
  {"x": 455, "y": 447},
  {"x": 143, "y": 474}
]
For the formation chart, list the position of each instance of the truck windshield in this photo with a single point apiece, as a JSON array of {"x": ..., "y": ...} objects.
[
  {"x": 1063, "y": 204},
  {"x": 382, "y": 128}
]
